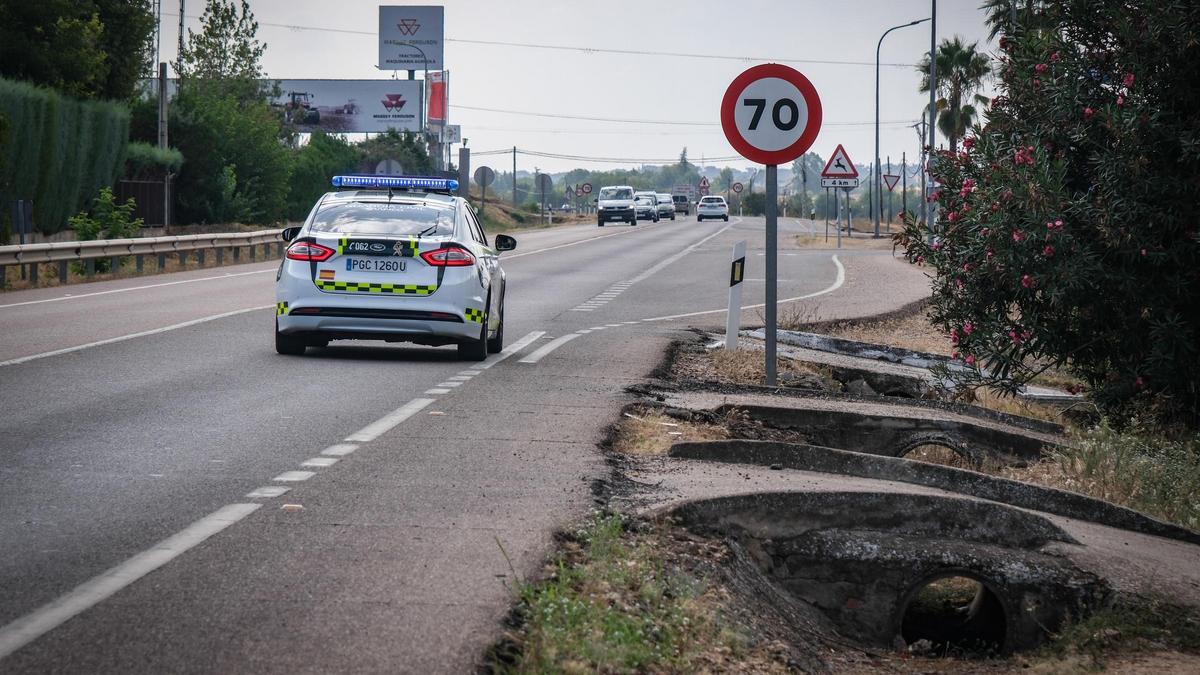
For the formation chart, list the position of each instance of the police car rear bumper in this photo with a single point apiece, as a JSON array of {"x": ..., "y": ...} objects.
[{"x": 334, "y": 327}]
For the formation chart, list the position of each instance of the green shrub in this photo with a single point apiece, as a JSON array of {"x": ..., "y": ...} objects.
[
  {"x": 144, "y": 161},
  {"x": 1066, "y": 234},
  {"x": 319, "y": 160},
  {"x": 107, "y": 219}
]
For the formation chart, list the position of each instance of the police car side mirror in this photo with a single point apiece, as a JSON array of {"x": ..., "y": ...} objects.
[
  {"x": 505, "y": 242},
  {"x": 289, "y": 233}
]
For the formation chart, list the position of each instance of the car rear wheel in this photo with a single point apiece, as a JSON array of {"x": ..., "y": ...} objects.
[
  {"x": 475, "y": 350},
  {"x": 288, "y": 344},
  {"x": 726, "y": 219}
]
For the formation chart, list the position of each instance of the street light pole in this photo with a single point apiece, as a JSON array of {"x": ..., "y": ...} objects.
[{"x": 875, "y": 178}]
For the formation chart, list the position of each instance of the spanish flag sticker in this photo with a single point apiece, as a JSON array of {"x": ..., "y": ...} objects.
[{"x": 326, "y": 275}]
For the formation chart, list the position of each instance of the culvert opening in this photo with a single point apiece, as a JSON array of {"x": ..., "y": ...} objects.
[{"x": 954, "y": 616}]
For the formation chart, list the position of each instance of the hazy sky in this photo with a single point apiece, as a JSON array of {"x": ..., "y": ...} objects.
[{"x": 324, "y": 39}]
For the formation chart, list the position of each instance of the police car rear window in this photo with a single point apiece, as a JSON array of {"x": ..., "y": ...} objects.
[{"x": 386, "y": 218}]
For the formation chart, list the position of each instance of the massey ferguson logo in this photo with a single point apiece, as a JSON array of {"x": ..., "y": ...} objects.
[
  {"x": 408, "y": 26},
  {"x": 392, "y": 102}
]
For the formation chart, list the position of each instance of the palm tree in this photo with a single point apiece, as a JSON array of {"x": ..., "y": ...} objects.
[{"x": 961, "y": 71}]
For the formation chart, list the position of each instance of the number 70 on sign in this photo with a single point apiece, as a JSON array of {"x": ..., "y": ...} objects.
[{"x": 771, "y": 114}]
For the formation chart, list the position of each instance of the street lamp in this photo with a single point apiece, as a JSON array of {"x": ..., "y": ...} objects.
[
  {"x": 424, "y": 83},
  {"x": 876, "y": 178}
]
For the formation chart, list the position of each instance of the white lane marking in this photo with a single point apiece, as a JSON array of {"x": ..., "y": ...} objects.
[
  {"x": 134, "y": 288},
  {"x": 449, "y": 384},
  {"x": 268, "y": 492},
  {"x": 628, "y": 323},
  {"x": 511, "y": 349},
  {"x": 575, "y": 243},
  {"x": 585, "y": 331},
  {"x": 583, "y": 309},
  {"x": 841, "y": 279},
  {"x": 460, "y": 378},
  {"x": 437, "y": 391},
  {"x": 598, "y": 327},
  {"x": 46, "y": 618},
  {"x": 156, "y": 331},
  {"x": 320, "y": 462},
  {"x": 613, "y": 325},
  {"x": 383, "y": 424},
  {"x": 294, "y": 476},
  {"x": 548, "y": 347},
  {"x": 340, "y": 450},
  {"x": 651, "y": 271},
  {"x": 470, "y": 372}
]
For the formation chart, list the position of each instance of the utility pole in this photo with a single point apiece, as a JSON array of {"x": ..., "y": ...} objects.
[
  {"x": 889, "y": 170},
  {"x": 180, "y": 53},
  {"x": 514, "y": 176},
  {"x": 162, "y": 140},
  {"x": 931, "y": 212},
  {"x": 903, "y": 186}
]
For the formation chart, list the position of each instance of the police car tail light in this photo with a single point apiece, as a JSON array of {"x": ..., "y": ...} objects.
[
  {"x": 449, "y": 257},
  {"x": 307, "y": 251}
]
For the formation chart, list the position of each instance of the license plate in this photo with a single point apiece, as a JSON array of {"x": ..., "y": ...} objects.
[{"x": 375, "y": 265}]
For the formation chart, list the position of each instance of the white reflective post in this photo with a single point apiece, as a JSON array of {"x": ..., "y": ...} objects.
[{"x": 737, "y": 271}]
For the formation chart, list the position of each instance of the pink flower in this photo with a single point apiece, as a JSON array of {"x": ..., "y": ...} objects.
[
  {"x": 958, "y": 282},
  {"x": 954, "y": 334},
  {"x": 1018, "y": 236},
  {"x": 995, "y": 207},
  {"x": 920, "y": 260},
  {"x": 970, "y": 359},
  {"x": 1143, "y": 253},
  {"x": 985, "y": 231},
  {"x": 1127, "y": 80},
  {"x": 968, "y": 183},
  {"x": 966, "y": 267},
  {"x": 1026, "y": 334},
  {"x": 1139, "y": 383},
  {"x": 1040, "y": 68},
  {"x": 989, "y": 254},
  {"x": 1048, "y": 251},
  {"x": 969, "y": 142},
  {"x": 1016, "y": 339},
  {"x": 1087, "y": 113},
  {"x": 952, "y": 216},
  {"x": 1120, "y": 101},
  {"x": 1006, "y": 195},
  {"x": 935, "y": 195},
  {"x": 1037, "y": 84},
  {"x": 954, "y": 354},
  {"x": 1028, "y": 281},
  {"x": 1058, "y": 224},
  {"x": 968, "y": 328},
  {"x": 1054, "y": 57},
  {"x": 937, "y": 246}
]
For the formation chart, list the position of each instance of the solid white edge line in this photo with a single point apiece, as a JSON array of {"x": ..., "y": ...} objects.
[
  {"x": 46, "y": 618},
  {"x": 511, "y": 349},
  {"x": 841, "y": 279},
  {"x": 548, "y": 347},
  {"x": 383, "y": 424},
  {"x": 133, "y": 288},
  {"x": 122, "y": 338}
]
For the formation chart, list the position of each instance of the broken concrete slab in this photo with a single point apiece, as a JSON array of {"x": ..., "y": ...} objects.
[{"x": 961, "y": 481}]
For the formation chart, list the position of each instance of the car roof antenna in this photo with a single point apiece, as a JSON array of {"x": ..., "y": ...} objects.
[{"x": 389, "y": 194}]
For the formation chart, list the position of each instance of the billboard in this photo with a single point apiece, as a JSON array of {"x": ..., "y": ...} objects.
[
  {"x": 411, "y": 37},
  {"x": 351, "y": 106},
  {"x": 439, "y": 87}
]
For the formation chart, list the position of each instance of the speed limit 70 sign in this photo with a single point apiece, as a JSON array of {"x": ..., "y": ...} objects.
[{"x": 771, "y": 114}]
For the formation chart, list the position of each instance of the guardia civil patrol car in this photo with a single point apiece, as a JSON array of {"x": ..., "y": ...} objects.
[{"x": 395, "y": 258}]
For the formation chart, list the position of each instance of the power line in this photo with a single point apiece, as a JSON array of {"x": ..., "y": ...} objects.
[{"x": 589, "y": 50}]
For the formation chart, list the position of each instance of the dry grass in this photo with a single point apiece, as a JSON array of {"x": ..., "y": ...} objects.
[
  {"x": 1012, "y": 405},
  {"x": 911, "y": 332},
  {"x": 937, "y": 454},
  {"x": 858, "y": 241},
  {"x": 744, "y": 366},
  {"x": 651, "y": 433}
]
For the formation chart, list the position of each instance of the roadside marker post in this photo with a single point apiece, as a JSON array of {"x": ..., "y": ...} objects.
[
  {"x": 737, "y": 272},
  {"x": 771, "y": 114}
]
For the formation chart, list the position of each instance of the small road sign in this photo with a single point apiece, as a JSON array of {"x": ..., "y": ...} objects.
[
  {"x": 578, "y": 192},
  {"x": 545, "y": 182},
  {"x": 839, "y": 165},
  {"x": 839, "y": 182},
  {"x": 771, "y": 114},
  {"x": 891, "y": 179},
  {"x": 587, "y": 188},
  {"x": 484, "y": 176},
  {"x": 703, "y": 184},
  {"x": 737, "y": 188}
]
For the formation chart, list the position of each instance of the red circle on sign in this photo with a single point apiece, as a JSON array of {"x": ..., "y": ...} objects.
[
  {"x": 587, "y": 188},
  {"x": 737, "y": 187},
  {"x": 762, "y": 72}
]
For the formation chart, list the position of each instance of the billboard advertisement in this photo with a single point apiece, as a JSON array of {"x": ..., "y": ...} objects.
[
  {"x": 439, "y": 84},
  {"x": 411, "y": 37},
  {"x": 351, "y": 106}
]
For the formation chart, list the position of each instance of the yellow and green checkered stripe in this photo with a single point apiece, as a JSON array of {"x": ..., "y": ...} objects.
[
  {"x": 410, "y": 246},
  {"x": 361, "y": 287},
  {"x": 474, "y": 315},
  {"x": 281, "y": 308}
]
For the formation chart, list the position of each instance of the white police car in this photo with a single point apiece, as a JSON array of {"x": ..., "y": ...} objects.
[{"x": 392, "y": 258}]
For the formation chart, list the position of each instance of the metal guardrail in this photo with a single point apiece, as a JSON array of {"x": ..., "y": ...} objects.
[{"x": 89, "y": 251}]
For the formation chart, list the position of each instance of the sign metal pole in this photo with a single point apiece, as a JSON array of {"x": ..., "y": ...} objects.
[{"x": 772, "y": 270}]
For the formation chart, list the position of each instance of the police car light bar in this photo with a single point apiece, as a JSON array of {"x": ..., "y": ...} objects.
[{"x": 383, "y": 182}]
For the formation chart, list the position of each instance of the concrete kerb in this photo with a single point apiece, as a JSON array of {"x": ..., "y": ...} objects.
[{"x": 961, "y": 481}]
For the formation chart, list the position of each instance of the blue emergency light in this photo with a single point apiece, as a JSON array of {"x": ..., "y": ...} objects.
[{"x": 373, "y": 182}]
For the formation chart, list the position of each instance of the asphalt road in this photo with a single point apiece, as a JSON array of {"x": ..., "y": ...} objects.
[{"x": 150, "y": 429}]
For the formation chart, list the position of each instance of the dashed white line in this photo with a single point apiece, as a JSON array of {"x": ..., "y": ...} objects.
[
  {"x": 46, "y": 618},
  {"x": 449, "y": 384},
  {"x": 598, "y": 327},
  {"x": 294, "y": 476},
  {"x": 109, "y": 341},
  {"x": 437, "y": 391},
  {"x": 548, "y": 347},
  {"x": 511, "y": 349},
  {"x": 268, "y": 492},
  {"x": 460, "y": 378},
  {"x": 340, "y": 450},
  {"x": 383, "y": 424},
  {"x": 320, "y": 462}
]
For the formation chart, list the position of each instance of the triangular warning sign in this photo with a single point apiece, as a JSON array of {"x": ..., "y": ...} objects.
[
  {"x": 891, "y": 179},
  {"x": 703, "y": 182},
  {"x": 839, "y": 165}
]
